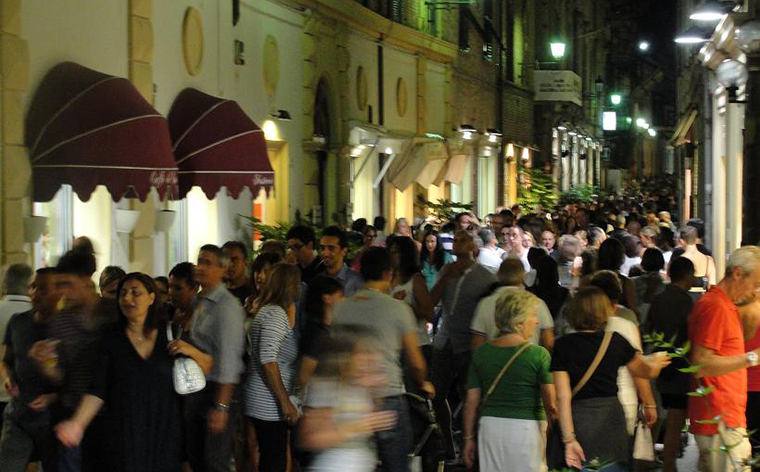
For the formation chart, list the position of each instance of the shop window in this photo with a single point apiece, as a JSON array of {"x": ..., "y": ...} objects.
[
  {"x": 177, "y": 236},
  {"x": 59, "y": 231}
]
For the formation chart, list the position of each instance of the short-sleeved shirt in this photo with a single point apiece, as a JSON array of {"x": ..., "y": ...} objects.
[
  {"x": 460, "y": 299},
  {"x": 714, "y": 323},
  {"x": 518, "y": 393},
  {"x": 271, "y": 340},
  {"x": 484, "y": 322},
  {"x": 218, "y": 329},
  {"x": 389, "y": 320},
  {"x": 574, "y": 353},
  {"x": 73, "y": 326},
  {"x": 21, "y": 334},
  {"x": 352, "y": 282}
]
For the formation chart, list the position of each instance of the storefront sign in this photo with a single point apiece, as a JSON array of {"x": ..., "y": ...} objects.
[{"x": 557, "y": 86}]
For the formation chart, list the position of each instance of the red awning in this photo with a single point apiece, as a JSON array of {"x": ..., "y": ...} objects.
[
  {"x": 86, "y": 128},
  {"x": 216, "y": 144}
]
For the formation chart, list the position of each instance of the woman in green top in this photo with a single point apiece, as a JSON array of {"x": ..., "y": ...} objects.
[{"x": 512, "y": 430}]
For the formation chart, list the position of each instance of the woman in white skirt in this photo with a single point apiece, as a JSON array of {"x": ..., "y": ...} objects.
[{"x": 513, "y": 406}]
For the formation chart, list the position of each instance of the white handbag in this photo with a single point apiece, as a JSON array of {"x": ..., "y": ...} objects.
[
  {"x": 187, "y": 374},
  {"x": 643, "y": 448}
]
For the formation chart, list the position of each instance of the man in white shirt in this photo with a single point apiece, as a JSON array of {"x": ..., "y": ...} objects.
[
  {"x": 15, "y": 300},
  {"x": 483, "y": 324},
  {"x": 490, "y": 255}
]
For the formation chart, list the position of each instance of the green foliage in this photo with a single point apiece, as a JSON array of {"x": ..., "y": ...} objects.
[
  {"x": 580, "y": 194},
  {"x": 535, "y": 188},
  {"x": 279, "y": 232},
  {"x": 444, "y": 209}
]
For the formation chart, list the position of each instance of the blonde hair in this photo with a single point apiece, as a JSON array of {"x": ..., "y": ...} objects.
[
  {"x": 589, "y": 309},
  {"x": 514, "y": 307}
]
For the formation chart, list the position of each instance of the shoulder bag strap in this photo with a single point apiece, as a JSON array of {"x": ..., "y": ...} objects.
[
  {"x": 501, "y": 374},
  {"x": 595, "y": 363},
  {"x": 169, "y": 334}
]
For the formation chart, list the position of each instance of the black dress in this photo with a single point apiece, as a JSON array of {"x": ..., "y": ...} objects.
[{"x": 142, "y": 413}]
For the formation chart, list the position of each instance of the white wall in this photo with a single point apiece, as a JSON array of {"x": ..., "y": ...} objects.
[
  {"x": 397, "y": 64},
  {"x": 362, "y": 53},
  {"x": 58, "y": 31},
  {"x": 72, "y": 30},
  {"x": 435, "y": 98}
]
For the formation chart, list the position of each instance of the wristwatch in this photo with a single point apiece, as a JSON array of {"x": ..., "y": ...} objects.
[
  {"x": 219, "y": 406},
  {"x": 752, "y": 358}
]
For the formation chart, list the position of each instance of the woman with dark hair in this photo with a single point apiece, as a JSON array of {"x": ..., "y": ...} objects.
[
  {"x": 611, "y": 257},
  {"x": 547, "y": 286},
  {"x": 408, "y": 285},
  {"x": 433, "y": 257},
  {"x": 260, "y": 270},
  {"x": 323, "y": 294},
  {"x": 650, "y": 282},
  {"x": 134, "y": 379},
  {"x": 273, "y": 351}
]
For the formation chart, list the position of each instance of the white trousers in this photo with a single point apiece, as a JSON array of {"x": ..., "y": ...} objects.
[{"x": 713, "y": 459}]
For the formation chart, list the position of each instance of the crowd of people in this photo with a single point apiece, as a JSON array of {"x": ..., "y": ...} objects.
[{"x": 524, "y": 331}]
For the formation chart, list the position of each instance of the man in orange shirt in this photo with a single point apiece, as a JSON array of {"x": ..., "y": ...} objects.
[{"x": 716, "y": 334}]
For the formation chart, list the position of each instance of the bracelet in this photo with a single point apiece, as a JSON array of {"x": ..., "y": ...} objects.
[
  {"x": 219, "y": 406},
  {"x": 569, "y": 439},
  {"x": 653, "y": 407},
  {"x": 469, "y": 438}
]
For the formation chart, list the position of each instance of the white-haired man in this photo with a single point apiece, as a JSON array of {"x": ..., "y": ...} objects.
[{"x": 717, "y": 339}]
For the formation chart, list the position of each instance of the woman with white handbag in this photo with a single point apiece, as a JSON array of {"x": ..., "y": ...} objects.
[{"x": 134, "y": 381}]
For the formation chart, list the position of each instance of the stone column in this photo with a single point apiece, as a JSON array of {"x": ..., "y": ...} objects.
[
  {"x": 142, "y": 244},
  {"x": 14, "y": 160}
]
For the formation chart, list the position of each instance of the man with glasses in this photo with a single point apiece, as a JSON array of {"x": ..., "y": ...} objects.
[
  {"x": 301, "y": 240},
  {"x": 333, "y": 246}
]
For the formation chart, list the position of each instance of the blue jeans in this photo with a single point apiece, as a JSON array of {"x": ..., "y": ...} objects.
[
  {"x": 69, "y": 458},
  {"x": 394, "y": 445}
]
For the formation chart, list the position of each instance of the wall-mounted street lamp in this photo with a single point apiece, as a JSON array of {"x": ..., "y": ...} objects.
[
  {"x": 732, "y": 75},
  {"x": 713, "y": 10},
  {"x": 282, "y": 115},
  {"x": 644, "y": 45},
  {"x": 557, "y": 49},
  {"x": 615, "y": 98},
  {"x": 652, "y": 132},
  {"x": 493, "y": 135},
  {"x": 693, "y": 35},
  {"x": 467, "y": 131},
  {"x": 748, "y": 36}
]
